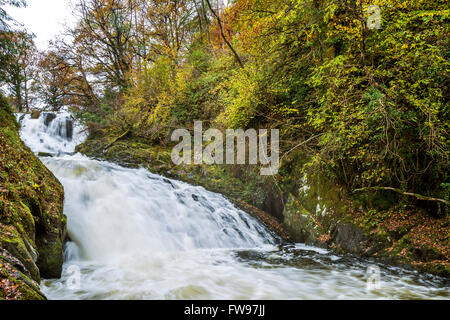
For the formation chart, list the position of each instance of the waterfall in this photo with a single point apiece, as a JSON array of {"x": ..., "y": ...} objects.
[
  {"x": 137, "y": 235},
  {"x": 114, "y": 210},
  {"x": 52, "y": 133}
]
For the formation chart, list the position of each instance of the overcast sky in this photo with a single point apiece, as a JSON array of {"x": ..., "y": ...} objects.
[{"x": 44, "y": 18}]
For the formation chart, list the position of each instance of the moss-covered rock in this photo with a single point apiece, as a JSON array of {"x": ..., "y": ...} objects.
[
  {"x": 301, "y": 225},
  {"x": 32, "y": 224},
  {"x": 15, "y": 282},
  {"x": 319, "y": 212},
  {"x": 35, "y": 114}
]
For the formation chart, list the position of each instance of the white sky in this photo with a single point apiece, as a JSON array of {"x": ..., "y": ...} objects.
[{"x": 44, "y": 18}]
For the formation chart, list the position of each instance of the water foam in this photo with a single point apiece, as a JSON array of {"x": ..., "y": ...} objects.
[{"x": 136, "y": 235}]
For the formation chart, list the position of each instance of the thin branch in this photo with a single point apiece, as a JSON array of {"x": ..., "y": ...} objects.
[
  {"x": 299, "y": 145},
  {"x": 415, "y": 195},
  {"x": 123, "y": 135},
  {"x": 219, "y": 21}
]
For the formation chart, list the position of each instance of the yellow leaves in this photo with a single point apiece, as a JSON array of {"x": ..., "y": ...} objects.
[
  {"x": 311, "y": 35},
  {"x": 329, "y": 12}
]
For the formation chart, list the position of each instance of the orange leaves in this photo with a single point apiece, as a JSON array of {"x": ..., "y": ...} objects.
[{"x": 10, "y": 289}]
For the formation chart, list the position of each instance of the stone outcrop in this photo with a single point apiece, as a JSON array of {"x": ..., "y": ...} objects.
[
  {"x": 321, "y": 214},
  {"x": 32, "y": 223}
]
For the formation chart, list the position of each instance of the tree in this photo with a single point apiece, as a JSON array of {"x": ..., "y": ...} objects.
[
  {"x": 5, "y": 18},
  {"x": 222, "y": 33},
  {"x": 104, "y": 38},
  {"x": 17, "y": 55},
  {"x": 55, "y": 80},
  {"x": 167, "y": 27}
]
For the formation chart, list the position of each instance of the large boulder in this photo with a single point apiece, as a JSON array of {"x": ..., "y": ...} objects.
[{"x": 35, "y": 114}]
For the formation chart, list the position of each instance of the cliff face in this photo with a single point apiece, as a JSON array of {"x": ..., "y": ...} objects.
[
  {"x": 320, "y": 213},
  {"x": 32, "y": 223}
]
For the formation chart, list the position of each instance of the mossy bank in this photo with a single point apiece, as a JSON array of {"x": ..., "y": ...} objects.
[
  {"x": 32, "y": 223},
  {"x": 304, "y": 206}
]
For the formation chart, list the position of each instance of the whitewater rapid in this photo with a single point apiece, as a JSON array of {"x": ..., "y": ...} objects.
[{"x": 137, "y": 235}]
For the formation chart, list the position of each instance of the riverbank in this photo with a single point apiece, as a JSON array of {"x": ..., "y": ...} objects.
[
  {"x": 32, "y": 223},
  {"x": 307, "y": 208}
]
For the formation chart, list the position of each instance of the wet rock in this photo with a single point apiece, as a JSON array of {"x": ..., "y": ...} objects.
[
  {"x": 50, "y": 259},
  {"x": 49, "y": 117},
  {"x": 169, "y": 182},
  {"x": 69, "y": 129},
  {"x": 266, "y": 219},
  {"x": 350, "y": 238},
  {"x": 21, "y": 118},
  {"x": 273, "y": 203},
  {"x": 65, "y": 129},
  {"x": 302, "y": 227},
  {"x": 45, "y": 154},
  {"x": 35, "y": 114},
  {"x": 301, "y": 217},
  {"x": 353, "y": 239}
]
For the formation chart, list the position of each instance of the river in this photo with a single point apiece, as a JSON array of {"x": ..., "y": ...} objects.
[{"x": 137, "y": 235}]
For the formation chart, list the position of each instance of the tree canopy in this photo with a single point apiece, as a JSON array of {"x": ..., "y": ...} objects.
[{"x": 358, "y": 88}]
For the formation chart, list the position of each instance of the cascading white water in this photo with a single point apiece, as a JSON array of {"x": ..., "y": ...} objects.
[
  {"x": 136, "y": 235},
  {"x": 116, "y": 210},
  {"x": 55, "y": 136}
]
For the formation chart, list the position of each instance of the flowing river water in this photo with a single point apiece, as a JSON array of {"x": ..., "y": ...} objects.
[{"x": 137, "y": 235}]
